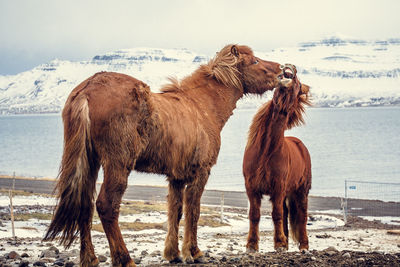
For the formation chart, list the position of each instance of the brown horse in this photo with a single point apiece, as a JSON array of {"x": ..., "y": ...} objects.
[
  {"x": 114, "y": 121},
  {"x": 279, "y": 166}
]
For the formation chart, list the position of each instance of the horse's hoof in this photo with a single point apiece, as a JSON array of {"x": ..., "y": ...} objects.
[
  {"x": 281, "y": 249},
  {"x": 200, "y": 259},
  {"x": 176, "y": 260},
  {"x": 93, "y": 263},
  {"x": 251, "y": 250},
  {"x": 189, "y": 260},
  {"x": 305, "y": 251}
]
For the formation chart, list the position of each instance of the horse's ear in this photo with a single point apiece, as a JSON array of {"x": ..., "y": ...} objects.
[{"x": 234, "y": 50}]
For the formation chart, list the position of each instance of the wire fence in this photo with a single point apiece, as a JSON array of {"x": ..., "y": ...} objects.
[{"x": 371, "y": 199}]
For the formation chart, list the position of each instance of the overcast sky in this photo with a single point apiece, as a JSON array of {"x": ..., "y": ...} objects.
[{"x": 36, "y": 31}]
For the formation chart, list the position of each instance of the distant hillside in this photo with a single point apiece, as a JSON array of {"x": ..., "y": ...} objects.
[{"x": 342, "y": 73}]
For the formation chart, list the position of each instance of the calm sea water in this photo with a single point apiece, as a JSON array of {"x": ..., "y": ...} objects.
[{"x": 360, "y": 144}]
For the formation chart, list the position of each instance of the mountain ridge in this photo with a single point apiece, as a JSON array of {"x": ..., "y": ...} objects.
[{"x": 341, "y": 73}]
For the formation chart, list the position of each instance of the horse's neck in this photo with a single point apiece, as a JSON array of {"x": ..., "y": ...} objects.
[
  {"x": 219, "y": 99},
  {"x": 275, "y": 126}
]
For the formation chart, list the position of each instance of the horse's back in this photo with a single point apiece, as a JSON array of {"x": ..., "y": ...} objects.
[{"x": 109, "y": 93}]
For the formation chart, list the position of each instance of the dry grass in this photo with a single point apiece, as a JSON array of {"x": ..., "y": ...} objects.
[
  {"x": 211, "y": 221},
  {"x": 137, "y": 207},
  {"x": 5, "y": 192},
  {"x": 135, "y": 226},
  {"x": 35, "y": 215},
  {"x": 210, "y": 216}
]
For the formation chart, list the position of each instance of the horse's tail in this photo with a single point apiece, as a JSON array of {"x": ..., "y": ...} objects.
[
  {"x": 78, "y": 173},
  {"x": 293, "y": 218}
]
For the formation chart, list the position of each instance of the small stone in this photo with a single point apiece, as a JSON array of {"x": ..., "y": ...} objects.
[
  {"x": 360, "y": 260},
  {"x": 313, "y": 258},
  {"x": 48, "y": 254},
  {"x": 25, "y": 255},
  {"x": 59, "y": 262},
  {"x": 47, "y": 260},
  {"x": 69, "y": 264},
  {"x": 102, "y": 258},
  {"x": 235, "y": 260},
  {"x": 346, "y": 255},
  {"x": 13, "y": 255},
  {"x": 53, "y": 248},
  {"x": 39, "y": 263},
  {"x": 23, "y": 263},
  {"x": 330, "y": 251},
  {"x": 137, "y": 260},
  {"x": 144, "y": 253}
]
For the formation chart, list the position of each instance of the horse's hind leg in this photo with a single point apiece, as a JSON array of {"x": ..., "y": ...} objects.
[
  {"x": 254, "y": 218},
  {"x": 285, "y": 219},
  {"x": 175, "y": 192},
  {"x": 108, "y": 204},
  {"x": 301, "y": 220},
  {"x": 87, "y": 255},
  {"x": 193, "y": 192}
]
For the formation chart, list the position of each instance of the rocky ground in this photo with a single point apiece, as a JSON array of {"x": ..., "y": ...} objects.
[
  {"x": 359, "y": 243},
  {"x": 50, "y": 255}
]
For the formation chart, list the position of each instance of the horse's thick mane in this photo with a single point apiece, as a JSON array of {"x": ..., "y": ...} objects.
[
  {"x": 296, "y": 112},
  {"x": 262, "y": 119},
  {"x": 223, "y": 67}
]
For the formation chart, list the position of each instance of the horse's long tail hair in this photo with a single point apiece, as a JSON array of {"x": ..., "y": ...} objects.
[
  {"x": 78, "y": 173},
  {"x": 293, "y": 211}
]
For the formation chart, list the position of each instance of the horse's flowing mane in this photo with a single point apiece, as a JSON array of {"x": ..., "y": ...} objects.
[
  {"x": 260, "y": 124},
  {"x": 223, "y": 67}
]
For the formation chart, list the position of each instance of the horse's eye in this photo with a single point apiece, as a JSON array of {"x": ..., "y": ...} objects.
[{"x": 255, "y": 62}]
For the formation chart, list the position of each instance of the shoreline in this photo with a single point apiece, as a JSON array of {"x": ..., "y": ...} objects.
[{"x": 238, "y": 199}]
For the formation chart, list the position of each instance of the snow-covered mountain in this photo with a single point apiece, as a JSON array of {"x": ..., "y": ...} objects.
[{"x": 342, "y": 72}]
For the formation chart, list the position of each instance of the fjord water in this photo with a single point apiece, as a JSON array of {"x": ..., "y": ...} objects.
[{"x": 360, "y": 144}]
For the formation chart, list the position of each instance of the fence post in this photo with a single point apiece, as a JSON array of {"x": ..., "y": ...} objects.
[
  {"x": 12, "y": 207},
  {"x": 345, "y": 203},
  {"x": 222, "y": 207}
]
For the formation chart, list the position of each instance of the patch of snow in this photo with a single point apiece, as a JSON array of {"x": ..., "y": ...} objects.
[
  {"x": 383, "y": 219},
  {"x": 27, "y": 200},
  {"x": 342, "y": 72}
]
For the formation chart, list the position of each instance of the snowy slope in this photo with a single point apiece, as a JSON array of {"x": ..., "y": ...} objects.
[{"x": 342, "y": 72}]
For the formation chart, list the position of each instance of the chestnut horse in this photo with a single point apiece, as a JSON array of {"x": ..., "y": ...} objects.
[
  {"x": 114, "y": 121},
  {"x": 279, "y": 166}
]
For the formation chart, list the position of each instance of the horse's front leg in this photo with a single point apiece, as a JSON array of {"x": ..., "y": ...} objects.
[
  {"x": 175, "y": 192},
  {"x": 280, "y": 239},
  {"x": 190, "y": 251},
  {"x": 254, "y": 218}
]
